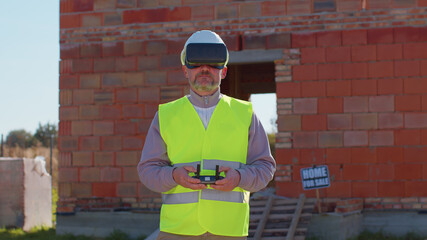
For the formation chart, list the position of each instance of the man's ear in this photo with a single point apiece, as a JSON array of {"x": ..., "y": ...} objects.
[
  {"x": 224, "y": 73},
  {"x": 184, "y": 69}
]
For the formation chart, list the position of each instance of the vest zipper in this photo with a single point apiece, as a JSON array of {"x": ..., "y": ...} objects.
[{"x": 206, "y": 100}]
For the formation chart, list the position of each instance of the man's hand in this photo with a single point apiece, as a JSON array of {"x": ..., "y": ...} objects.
[
  {"x": 180, "y": 175},
  {"x": 231, "y": 180}
]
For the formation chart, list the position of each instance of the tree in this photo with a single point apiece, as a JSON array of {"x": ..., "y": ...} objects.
[
  {"x": 20, "y": 138},
  {"x": 44, "y": 132}
]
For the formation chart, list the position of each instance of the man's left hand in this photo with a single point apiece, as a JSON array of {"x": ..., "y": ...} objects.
[{"x": 231, "y": 180}]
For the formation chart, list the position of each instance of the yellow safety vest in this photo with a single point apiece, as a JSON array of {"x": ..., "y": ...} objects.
[{"x": 225, "y": 143}]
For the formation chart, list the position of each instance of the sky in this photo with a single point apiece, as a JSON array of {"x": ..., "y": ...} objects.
[
  {"x": 29, "y": 68},
  {"x": 29, "y": 63}
]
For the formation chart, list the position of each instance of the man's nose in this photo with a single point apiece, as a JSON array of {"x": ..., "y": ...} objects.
[{"x": 204, "y": 67}]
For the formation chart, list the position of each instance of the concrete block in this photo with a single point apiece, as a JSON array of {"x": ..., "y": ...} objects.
[{"x": 25, "y": 194}]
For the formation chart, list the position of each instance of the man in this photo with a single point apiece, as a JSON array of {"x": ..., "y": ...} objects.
[{"x": 193, "y": 139}]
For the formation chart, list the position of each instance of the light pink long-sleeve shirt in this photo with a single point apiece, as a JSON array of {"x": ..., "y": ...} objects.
[{"x": 155, "y": 170}]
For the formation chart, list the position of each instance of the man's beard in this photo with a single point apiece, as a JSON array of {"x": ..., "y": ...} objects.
[{"x": 204, "y": 87}]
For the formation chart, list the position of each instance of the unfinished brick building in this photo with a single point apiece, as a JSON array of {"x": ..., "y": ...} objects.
[{"x": 350, "y": 78}]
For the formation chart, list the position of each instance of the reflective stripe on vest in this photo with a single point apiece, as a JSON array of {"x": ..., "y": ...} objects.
[{"x": 224, "y": 142}]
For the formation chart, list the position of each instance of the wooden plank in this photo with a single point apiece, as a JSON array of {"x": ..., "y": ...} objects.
[
  {"x": 264, "y": 218},
  {"x": 282, "y": 216},
  {"x": 295, "y": 218}
]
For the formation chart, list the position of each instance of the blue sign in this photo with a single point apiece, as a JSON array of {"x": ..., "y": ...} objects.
[{"x": 315, "y": 177}]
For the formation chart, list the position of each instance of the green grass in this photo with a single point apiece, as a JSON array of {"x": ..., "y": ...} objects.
[{"x": 50, "y": 234}]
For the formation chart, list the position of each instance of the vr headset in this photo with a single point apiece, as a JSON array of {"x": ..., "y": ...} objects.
[{"x": 212, "y": 54}]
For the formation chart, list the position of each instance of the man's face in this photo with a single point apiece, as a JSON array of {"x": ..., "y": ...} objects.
[{"x": 204, "y": 80}]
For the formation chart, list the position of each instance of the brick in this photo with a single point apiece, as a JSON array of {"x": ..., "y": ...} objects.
[
  {"x": 64, "y": 190},
  {"x": 233, "y": 42},
  {"x": 81, "y": 190},
  {"x": 339, "y": 121},
  {"x": 90, "y": 174},
  {"x": 247, "y": 10},
  {"x": 355, "y": 70},
  {"x": 111, "y": 112},
  {"x": 89, "y": 112},
  {"x": 146, "y": 193},
  {"x": 324, "y": 39},
  {"x": 382, "y": 172},
  {"x": 404, "y": 137},
  {"x": 408, "y": 103},
  {"x": 127, "y": 158},
  {"x": 175, "y": 46},
  {"x": 64, "y": 158},
  {"x": 415, "y": 120},
  {"x": 90, "y": 81},
  {"x": 112, "y": 18},
  {"x": 355, "y": 138},
  {"x": 154, "y": 78},
  {"x": 389, "y": 52},
  {"x": 313, "y": 122},
  {"x": 279, "y": 40},
  {"x": 104, "y": 4},
  {"x": 390, "y": 155},
  {"x": 112, "y": 80},
  {"x": 296, "y": 7},
  {"x": 81, "y": 128},
  {"x": 134, "y": 48},
  {"x": 69, "y": 51},
  {"x": 365, "y": 121},
  {"x": 330, "y": 105},
  {"x": 356, "y": 104},
  {"x": 339, "y": 190},
  {"x": 104, "y": 189},
  {"x": 83, "y": 5},
  {"x": 407, "y": 171},
  {"x": 414, "y": 50},
  {"x": 406, "y": 68},
  {"x": 330, "y": 139},
  {"x": 423, "y": 136},
  {"x": 355, "y": 172},
  {"x": 66, "y": 6},
  {"x": 424, "y": 103},
  {"x": 381, "y": 103},
  {"x": 381, "y": 138},
  {"x": 130, "y": 174},
  {"x": 148, "y": 95},
  {"x": 145, "y": 15},
  {"x": 68, "y": 174},
  {"x": 416, "y": 189},
  {"x": 111, "y": 143},
  {"x": 112, "y": 49},
  {"x": 364, "y": 189},
  {"x": 348, "y": 6},
  {"x": 289, "y": 189},
  {"x": 380, "y": 35},
  {"x": 415, "y": 85},
  {"x": 313, "y": 89},
  {"x": 364, "y": 87},
  {"x": 338, "y": 88},
  {"x": 355, "y": 37},
  {"x": 287, "y": 156},
  {"x": 415, "y": 154},
  {"x": 338, "y": 155},
  {"x": 313, "y": 55},
  {"x": 254, "y": 42},
  {"x": 424, "y": 68},
  {"x": 103, "y": 96},
  {"x": 305, "y": 106},
  {"x": 133, "y": 142},
  {"x": 202, "y": 12},
  {"x": 134, "y": 79},
  {"x": 304, "y": 39},
  {"x": 126, "y": 64},
  {"x": 304, "y": 139},
  {"x": 91, "y": 20},
  {"x": 68, "y": 143},
  {"x": 64, "y": 128},
  {"x": 304, "y": 72},
  {"x": 103, "y": 158},
  {"x": 68, "y": 113},
  {"x": 363, "y": 155},
  {"x": 273, "y": 8},
  {"x": 391, "y": 189},
  {"x": 170, "y": 93},
  {"x": 82, "y": 66},
  {"x": 170, "y": 61},
  {"x": 390, "y": 120},
  {"x": 148, "y": 62},
  {"x": 124, "y": 128},
  {"x": 89, "y": 143},
  {"x": 126, "y": 95},
  {"x": 69, "y": 21},
  {"x": 82, "y": 96},
  {"x": 363, "y": 53},
  {"x": 179, "y": 14},
  {"x": 133, "y": 111},
  {"x": 143, "y": 126},
  {"x": 103, "y": 65},
  {"x": 324, "y": 6},
  {"x": 380, "y": 69},
  {"x": 288, "y": 89},
  {"x": 176, "y": 78},
  {"x": 68, "y": 82},
  {"x": 110, "y": 174},
  {"x": 390, "y": 86},
  {"x": 338, "y": 54},
  {"x": 289, "y": 123},
  {"x": 150, "y": 110},
  {"x": 66, "y": 66},
  {"x": 226, "y": 12},
  {"x": 127, "y": 189}
]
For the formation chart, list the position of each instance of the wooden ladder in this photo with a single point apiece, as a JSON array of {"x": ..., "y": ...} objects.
[{"x": 276, "y": 218}]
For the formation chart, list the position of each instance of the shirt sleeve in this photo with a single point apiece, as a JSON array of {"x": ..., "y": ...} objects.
[
  {"x": 260, "y": 164},
  {"x": 154, "y": 167}
]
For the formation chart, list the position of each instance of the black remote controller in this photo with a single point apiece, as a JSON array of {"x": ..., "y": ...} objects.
[{"x": 208, "y": 179}]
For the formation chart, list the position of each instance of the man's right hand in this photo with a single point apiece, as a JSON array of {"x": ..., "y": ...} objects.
[{"x": 180, "y": 175}]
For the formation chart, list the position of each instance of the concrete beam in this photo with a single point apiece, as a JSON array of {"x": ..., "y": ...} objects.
[{"x": 255, "y": 56}]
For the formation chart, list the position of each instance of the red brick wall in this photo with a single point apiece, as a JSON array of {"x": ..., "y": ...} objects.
[
  {"x": 120, "y": 59},
  {"x": 357, "y": 102}
]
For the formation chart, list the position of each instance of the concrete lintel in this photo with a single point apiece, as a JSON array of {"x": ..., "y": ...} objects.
[{"x": 255, "y": 56}]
